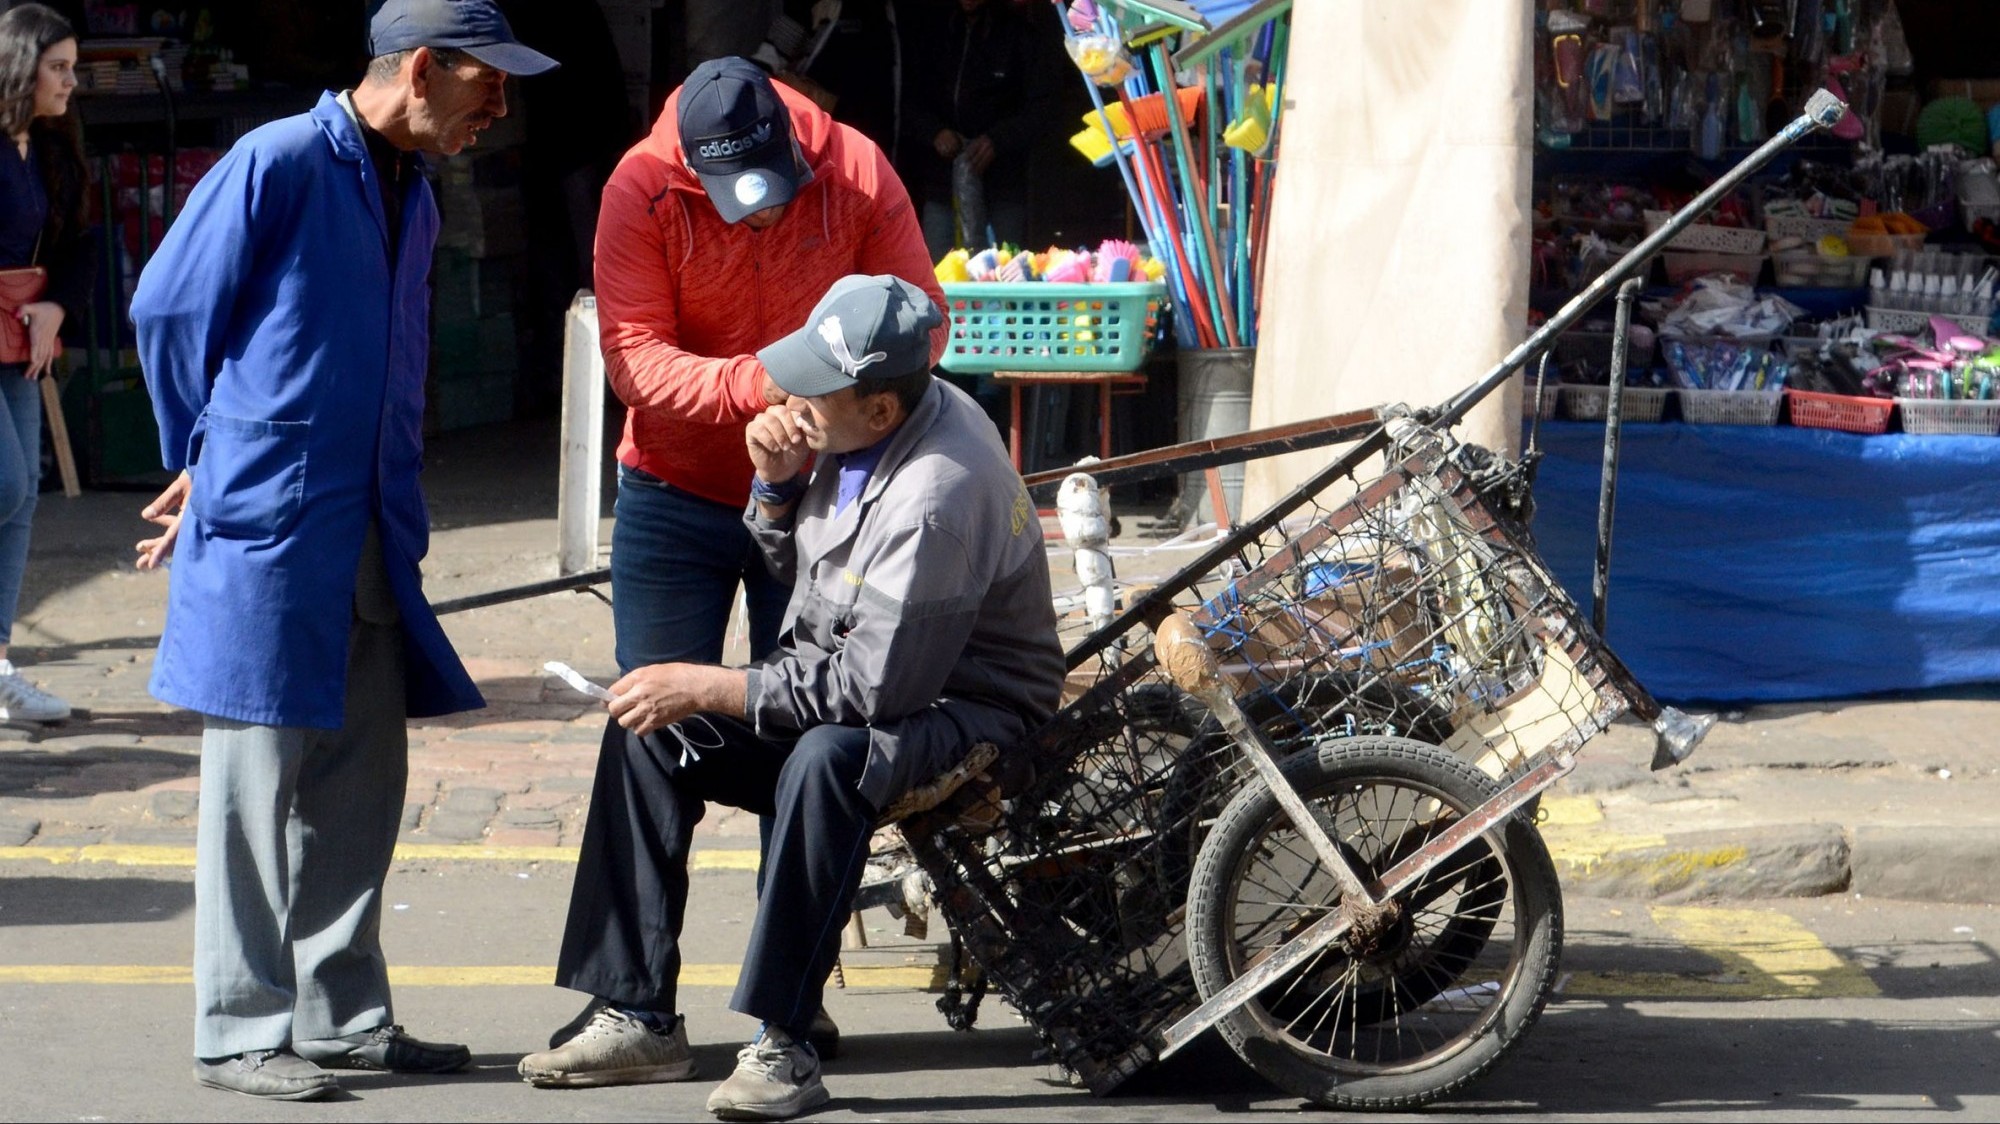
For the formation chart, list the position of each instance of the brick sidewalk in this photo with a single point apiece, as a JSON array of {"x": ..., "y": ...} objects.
[
  {"x": 517, "y": 774},
  {"x": 1902, "y": 787}
]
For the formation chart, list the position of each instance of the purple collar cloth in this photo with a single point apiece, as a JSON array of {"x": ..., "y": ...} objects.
[{"x": 855, "y": 469}]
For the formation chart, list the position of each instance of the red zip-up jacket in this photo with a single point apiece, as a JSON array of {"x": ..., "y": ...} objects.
[{"x": 685, "y": 300}]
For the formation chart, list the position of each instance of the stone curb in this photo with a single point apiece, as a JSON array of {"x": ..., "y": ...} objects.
[
  {"x": 1806, "y": 860},
  {"x": 1928, "y": 863},
  {"x": 1955, "y": 864}
]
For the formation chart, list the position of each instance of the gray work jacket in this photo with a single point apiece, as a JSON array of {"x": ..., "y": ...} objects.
[{"x": 922, "y": 612}]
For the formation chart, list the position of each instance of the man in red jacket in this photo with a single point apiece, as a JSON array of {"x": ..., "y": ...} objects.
[{"x": 719, "y": 232}]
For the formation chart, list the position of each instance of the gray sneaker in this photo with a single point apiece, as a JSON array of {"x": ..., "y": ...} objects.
[
  {"x": 613, "y": 1048},
  {"x": 22, "y": 701},
  {"x": 274, "y": 1075},
  {"x": 776, "y": 1078}
]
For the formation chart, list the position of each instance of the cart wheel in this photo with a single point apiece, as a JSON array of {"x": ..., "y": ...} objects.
[
  {"x": 1409, "y": 1013},
  {"x": 1209, "y": 770}
]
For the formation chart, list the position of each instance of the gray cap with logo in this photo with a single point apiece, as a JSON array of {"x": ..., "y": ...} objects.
[{"x": 864, "y": 328}]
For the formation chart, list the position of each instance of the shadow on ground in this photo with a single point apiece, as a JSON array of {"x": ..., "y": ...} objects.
[
  {"x": 54, "y": 900},
  {"x": 90, "y": 770}
]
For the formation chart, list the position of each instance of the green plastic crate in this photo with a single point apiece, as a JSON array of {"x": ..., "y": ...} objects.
[{"x": 1039, "y": 326}]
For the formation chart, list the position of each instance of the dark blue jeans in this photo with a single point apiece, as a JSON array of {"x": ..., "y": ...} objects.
[
  {"x": 676, "y": 560},
  {"x": 626, "y": 907},
  {"x": 20, "y": 481}
]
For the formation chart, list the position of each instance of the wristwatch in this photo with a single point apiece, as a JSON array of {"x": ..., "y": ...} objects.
[{"x": 776, "y": 495}]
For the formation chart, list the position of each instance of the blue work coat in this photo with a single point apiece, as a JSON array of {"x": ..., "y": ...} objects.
[{"x": 286, "y": 355}]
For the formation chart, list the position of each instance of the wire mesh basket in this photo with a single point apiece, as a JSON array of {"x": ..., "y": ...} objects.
[
  {"x": 1410, "y": 604},
  {"x": 1850, "y": 414},
  {"x": 1979, "y": 417},
  {"x": 1730, "y": 407},
  {"x": 1589, "y": 403},
  {"x": 1806, "y": 227},
  {"x": 1882, "y": 319},
  {"x": 1709, "y": 238}
]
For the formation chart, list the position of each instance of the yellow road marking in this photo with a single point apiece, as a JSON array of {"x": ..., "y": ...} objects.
[
  {"x": 1777, "y": 953},
  {"x": 1584, "y": 850},
  {"x": 1570, "y": 811},
  {"x": 474, "y": 852},
  {"x": 130, "y": 854},
  {"x": 116, "y": 854},
  {"x": 925, "y": 977},
  {"x": 96, "y": 974},
  {"x": 721, "y": 859},
  {"x": 1645, "y": 858}
]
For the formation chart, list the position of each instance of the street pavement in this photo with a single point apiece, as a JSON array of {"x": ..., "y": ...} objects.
[
  {"x": 1793, "y": 1010},
  {"x": 1795, "y": 923}
]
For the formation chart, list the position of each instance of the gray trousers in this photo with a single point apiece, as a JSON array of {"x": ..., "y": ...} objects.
[{"x": 297, "y": 829}]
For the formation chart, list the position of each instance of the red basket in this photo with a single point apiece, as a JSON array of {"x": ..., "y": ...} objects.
[{"x": 1812, "y": 410}]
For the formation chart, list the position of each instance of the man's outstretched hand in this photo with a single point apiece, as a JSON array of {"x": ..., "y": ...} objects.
[{"x": 166, "y": 511}]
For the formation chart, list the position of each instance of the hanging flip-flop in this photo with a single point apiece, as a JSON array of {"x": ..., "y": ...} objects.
[{"x": 1599, "y": 69}]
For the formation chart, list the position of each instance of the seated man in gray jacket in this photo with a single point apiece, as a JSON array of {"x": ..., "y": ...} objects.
[{"x": 920, "y": 624}]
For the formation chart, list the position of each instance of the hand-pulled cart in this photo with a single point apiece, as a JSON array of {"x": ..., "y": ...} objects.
[{"x": 1290, "y": 796}]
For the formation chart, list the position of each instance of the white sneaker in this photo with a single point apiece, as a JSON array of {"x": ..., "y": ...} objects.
[
  {"x": 776, "y": 1078},
  {"x": 22, "y": 701},
  {"x": 613, "y": 1048}
]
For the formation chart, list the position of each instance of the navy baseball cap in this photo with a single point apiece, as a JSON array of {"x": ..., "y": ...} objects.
[
  {"x": 473, "y": 26},
  {"x": 737, "y": 136},
  {"x": 864, "y": 328}
]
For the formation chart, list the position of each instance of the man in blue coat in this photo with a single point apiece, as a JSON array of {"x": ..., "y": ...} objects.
[{"x": 284, "y": 330}]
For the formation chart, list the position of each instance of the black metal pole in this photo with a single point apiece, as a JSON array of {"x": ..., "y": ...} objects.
[
  {"x": 579, "y": 583},
  {"x": 1614, "y": 421}
]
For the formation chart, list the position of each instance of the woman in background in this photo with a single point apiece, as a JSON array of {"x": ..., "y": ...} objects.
[{"x": 41, "y": 224}]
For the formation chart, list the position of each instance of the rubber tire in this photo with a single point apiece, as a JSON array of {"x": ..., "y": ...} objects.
[{"x": 1537, "y": 919}]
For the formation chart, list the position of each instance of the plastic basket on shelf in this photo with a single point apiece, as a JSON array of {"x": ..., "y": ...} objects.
[
  {"x": 1711, "y": 239},
  {"x": 1686, "y": 266},
  {"x": 1731, "y": 407},
  {"x": 1937, "y": 415},
  {"x": 1811, "y": 270},
  {"x": 1039, "y": 326},
  {"x": 1589, "y": 403},
  {"x": 1813, "y": 410},
  {"x": 1905, "y": 321},
  {"x": 1802, "y": 226}
]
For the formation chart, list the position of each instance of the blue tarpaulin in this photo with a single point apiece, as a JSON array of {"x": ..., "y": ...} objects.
[{"x": 1775, "y": 563}]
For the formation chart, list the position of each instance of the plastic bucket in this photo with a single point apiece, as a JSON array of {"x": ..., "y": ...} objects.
[{"x": 1214, "y": 402}]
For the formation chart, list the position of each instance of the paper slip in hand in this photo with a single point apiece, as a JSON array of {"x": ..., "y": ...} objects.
[{"x": 569, "y": 675}]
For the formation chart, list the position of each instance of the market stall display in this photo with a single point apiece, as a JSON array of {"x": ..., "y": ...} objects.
[
  {"x": 1198, "y": 167},
  {"x": 1636, "y": 101}
]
